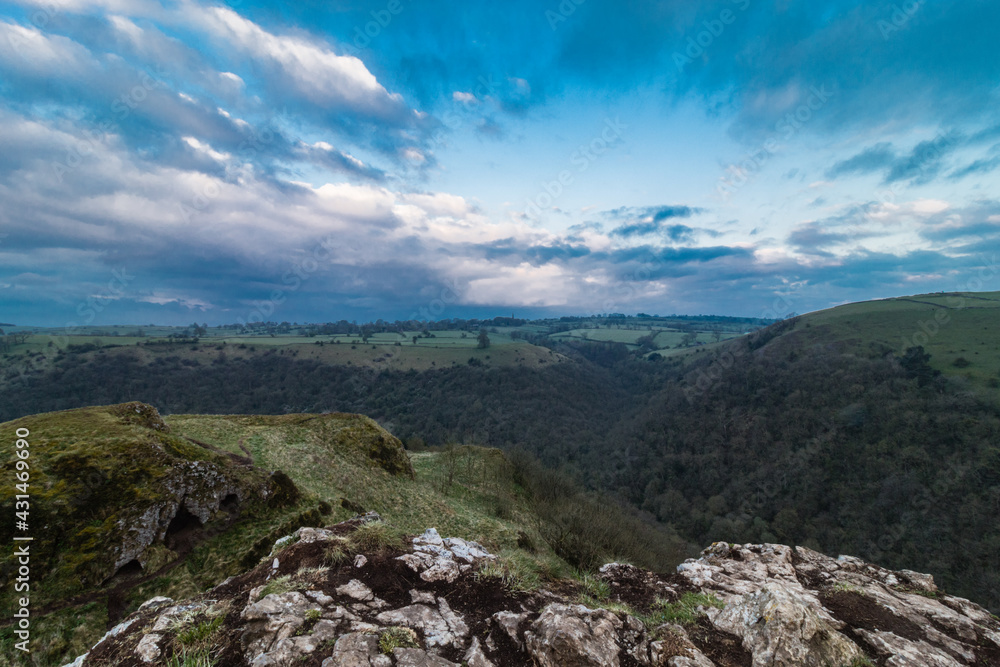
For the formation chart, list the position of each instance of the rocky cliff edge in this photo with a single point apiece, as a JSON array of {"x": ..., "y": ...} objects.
[{"x": 350, "y": 595}]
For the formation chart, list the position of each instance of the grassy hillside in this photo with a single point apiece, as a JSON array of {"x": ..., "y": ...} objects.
[
  {"x": 94, "y": 469},
  {"x": 958, "y": 330}
]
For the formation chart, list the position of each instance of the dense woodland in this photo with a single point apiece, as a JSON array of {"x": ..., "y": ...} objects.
[{"x": 868, "y": 454}]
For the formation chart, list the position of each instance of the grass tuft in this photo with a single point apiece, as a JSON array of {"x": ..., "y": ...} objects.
[
  {"x": 376, "y": 536},
  {"x": 279, "y": 585},
  {"x": 397, "y": 637},
  {"x": 200, "y": 632},
  {"x": 684, "y": 611},
  {"x": 201, "y": 657}
]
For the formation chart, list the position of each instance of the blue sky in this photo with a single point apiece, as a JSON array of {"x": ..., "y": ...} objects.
[{"x": 172, "y": 162}]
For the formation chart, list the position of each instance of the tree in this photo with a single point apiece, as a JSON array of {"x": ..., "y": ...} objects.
[
  {"x": 415, "y": 339},
  {"x": 484, "y": 339}
]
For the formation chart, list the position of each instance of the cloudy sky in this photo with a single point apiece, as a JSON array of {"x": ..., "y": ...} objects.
[{"x": 177, "y": 161}]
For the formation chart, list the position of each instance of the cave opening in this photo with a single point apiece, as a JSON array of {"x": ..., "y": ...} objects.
[
  {"x": 230, "y": 504},
  {"x": 183, "y": 530}
]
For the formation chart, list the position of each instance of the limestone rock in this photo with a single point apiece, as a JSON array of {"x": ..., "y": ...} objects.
[
  {"x": 148, "y": 649},
  {"x": 357, "y": 649},
  {"x": 784, "y": 627},
  {"x": 574, "y": 635},
  {"x": 441, "y": 626},
  {"x": 290, "y": 650},
  {"x": 475, "y": 657},
  {"x": 781, "y": 606},
  {"x": 415, "y": 657},
  {"x": 155, "y": 603},
  {"x": 272, "y": 619}
]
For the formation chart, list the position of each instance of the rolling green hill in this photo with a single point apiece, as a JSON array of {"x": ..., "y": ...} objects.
[
  {"x": 126, "y": 505},
  {"x": 961, "y": 332}
]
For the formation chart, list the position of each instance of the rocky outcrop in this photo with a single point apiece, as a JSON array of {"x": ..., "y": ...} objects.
[
  {"x": 191, "y": 495},
  {"x": 316, "y": 600}
]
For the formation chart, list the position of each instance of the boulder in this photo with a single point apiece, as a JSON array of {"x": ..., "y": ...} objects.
[{"x": 574, "y": 636}]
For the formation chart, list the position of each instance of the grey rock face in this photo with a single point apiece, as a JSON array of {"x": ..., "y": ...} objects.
[
  {"x": 574, "y": 636},
  {"x": 769, "y": 605}
]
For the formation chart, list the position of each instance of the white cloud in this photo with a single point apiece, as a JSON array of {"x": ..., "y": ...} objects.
[
  {"x": 522, "y": 285},
  {"x": 163, "y": 298},
  {"x": 414, "y": 155},
  {"x": 205, "y": 149},
  {"x": 234, "y": 78},
  {"x": 467, "y": 98},
  {"x": 30, "y": 50},
  {"x": 929, "y": 206},
  {"x": 323, "y": 77}
]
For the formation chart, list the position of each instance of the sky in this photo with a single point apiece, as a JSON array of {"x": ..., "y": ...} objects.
[{"x": 174, "y": 162}]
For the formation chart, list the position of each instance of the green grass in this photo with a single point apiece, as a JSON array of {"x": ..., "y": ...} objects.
[
  {"x": 664, "y": 337},
  {"x": 843, "y": 587},
  {"x": 200, "y": 632},
  {"x": 521, "y": 572},
  {"x": 684, "y": 611},
  {"x": 861, "y": 662},
  {"x": 949, "y": 326},
  {"x": 396, "y": 637},
  {"x": 280, "y": 585},
  {"x": 320, "y": 455},
  {"x": 192, "y": 658},
  {"x": 376, "y": 537}
]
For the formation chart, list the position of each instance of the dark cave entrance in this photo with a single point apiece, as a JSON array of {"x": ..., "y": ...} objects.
[
  {"x": 130, "y": 569},
  {"x": 184, "y": 530},
  {"x": 230, "y": 504}
]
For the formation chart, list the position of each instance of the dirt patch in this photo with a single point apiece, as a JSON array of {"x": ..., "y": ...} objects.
[
  {"x": 640, "y": 589},
  {"x": 673, "y": 644},
  {"x": 722, "y": 648},
  {"x": 234, "y": 457}
]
